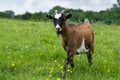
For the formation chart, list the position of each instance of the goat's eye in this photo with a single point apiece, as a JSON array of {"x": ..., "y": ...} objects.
[
  {"x": 62, "y": 19},
  {"x": 54, "y": 19}
]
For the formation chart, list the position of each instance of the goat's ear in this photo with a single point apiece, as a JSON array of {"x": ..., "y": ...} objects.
[
  {"x": 48, "y": 16},
  {"x": 68, "y": 16}
]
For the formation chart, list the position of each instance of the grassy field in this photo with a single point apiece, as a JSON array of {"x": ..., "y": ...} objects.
[{"x": 31, "y": 51}]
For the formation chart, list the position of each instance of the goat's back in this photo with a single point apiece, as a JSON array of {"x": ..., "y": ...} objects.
[{"x": 85, "y": 31}]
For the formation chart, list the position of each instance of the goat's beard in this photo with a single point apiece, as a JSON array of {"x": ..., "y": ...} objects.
[
  {"x": 58, "y": 32},
  {"x": 58, "y": 35}
]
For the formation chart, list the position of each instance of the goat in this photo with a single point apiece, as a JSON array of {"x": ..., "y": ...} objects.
[{"x": 75, "y": 38}]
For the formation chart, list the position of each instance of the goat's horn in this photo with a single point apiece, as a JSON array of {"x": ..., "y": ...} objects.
[
  {"x": 56, "y": 11},
  {"x": 62, "y": 11}
]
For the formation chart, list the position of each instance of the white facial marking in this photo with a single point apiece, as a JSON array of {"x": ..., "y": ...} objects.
[
  {"x": 57, "y": 16},
  {"x": 82, "y": 47},
  {"x": 57, "y": 26}
]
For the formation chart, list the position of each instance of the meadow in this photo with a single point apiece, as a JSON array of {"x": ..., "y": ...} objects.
[{"x": 31, "y": 50}]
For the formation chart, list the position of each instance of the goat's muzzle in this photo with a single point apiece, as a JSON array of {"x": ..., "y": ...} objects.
[{"x": 58, "y": 30}]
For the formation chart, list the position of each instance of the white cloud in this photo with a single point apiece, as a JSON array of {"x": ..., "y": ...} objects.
[{"x": 21, "y": 6}]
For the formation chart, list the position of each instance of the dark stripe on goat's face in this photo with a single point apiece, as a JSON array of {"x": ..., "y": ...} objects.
[{"x": 58, "y": 20}]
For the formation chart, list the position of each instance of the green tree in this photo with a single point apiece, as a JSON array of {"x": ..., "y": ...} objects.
[
  {"x": 59, "y": 8},
  {"x": 27, "y": 16},
  {"x": 7, "y": 14},
  {"x": 116, "y": 9},
  {"x": 39, "y": 16}
]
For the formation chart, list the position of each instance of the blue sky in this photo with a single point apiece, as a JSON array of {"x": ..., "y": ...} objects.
[{"x": 21, "y": 6}]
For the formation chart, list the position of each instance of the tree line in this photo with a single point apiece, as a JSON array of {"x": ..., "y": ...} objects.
[{"x": 109, "y": 16}]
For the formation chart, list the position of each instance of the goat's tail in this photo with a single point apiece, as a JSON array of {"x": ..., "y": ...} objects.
[{"x": 86, "y": 21}]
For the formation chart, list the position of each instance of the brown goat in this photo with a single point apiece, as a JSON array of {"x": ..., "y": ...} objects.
[{"x": 75, "y": 38}]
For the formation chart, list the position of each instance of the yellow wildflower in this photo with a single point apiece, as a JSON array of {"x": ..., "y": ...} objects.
[
  {"x": 58, "y": 65},
  {"x": 47, "y": 79},
  {"x": 39, "y": 37},
  {"x": 54, "y": 46},
  {"x": 13, "y": 65},
  {"x": 118, "y": 67},
  {"x": 71, "y": 71},
  {"x": 50, "y": 76},
  {"x": 68, "y": 70},
  {"x": 55, "y": 61},
  {"x": 21, "y": 56},
  {"x": 16, "y": 30},
  {"x": 61, "y": 67},
  {"x": 36, "y": 69},
  {"x": 52, "y": 68},
  {"x": 58, "y": 79},
  {"x": 105, "y": 61},
  {"x": 108, "y": 70}
]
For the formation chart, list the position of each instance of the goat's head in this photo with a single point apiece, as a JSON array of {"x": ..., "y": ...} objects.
[{"x": 59, "y": 19}]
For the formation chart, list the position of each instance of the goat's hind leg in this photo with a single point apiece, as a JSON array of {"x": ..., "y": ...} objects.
[{"x": 89, "y": 57}]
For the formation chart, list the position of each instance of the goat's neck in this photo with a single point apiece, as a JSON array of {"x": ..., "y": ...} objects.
[{"x": 65, "y": 30}]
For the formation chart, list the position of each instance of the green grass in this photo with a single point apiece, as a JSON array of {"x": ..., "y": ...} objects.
[{"x": 31, "y": 51}]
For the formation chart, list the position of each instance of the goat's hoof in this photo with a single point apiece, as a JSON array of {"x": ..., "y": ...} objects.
[
  {"x": 72, "y": 66},
  {"x": 90, "y": 64},
  {"x": 63, "y": 74}
]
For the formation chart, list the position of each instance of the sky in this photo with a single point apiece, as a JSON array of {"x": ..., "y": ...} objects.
[{"x": 21, "y": 6}]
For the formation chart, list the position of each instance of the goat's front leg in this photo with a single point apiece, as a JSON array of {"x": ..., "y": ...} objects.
[
  {"x": 68, "y": 60},
  {"x": 65, "y": 66},
  {"x": 71, "y": 62}
]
